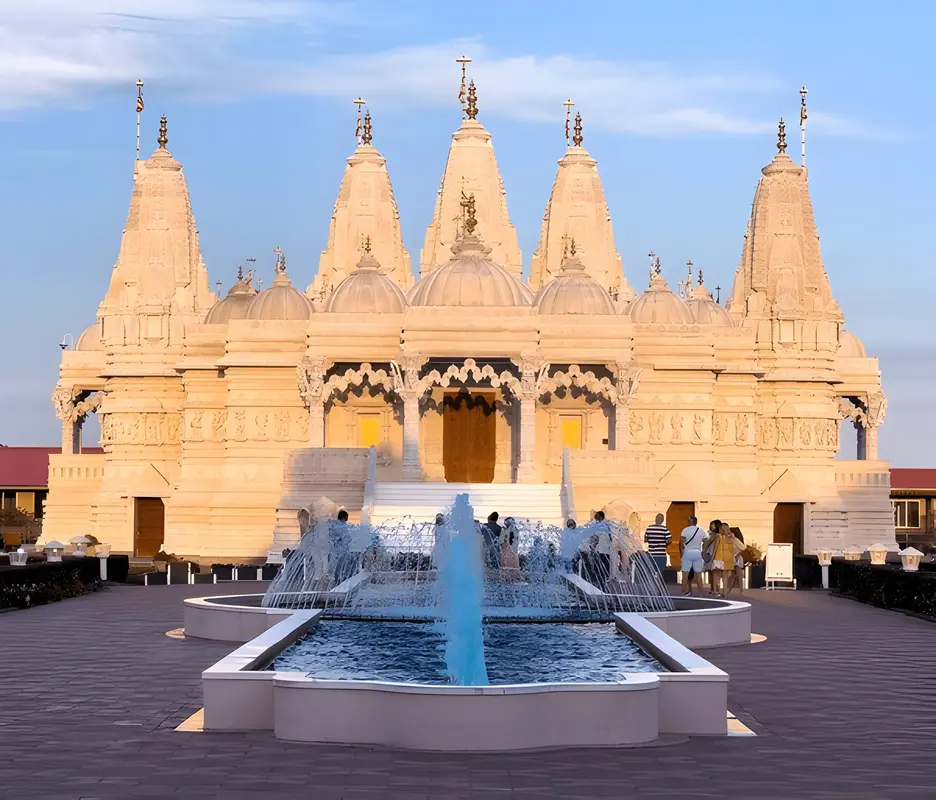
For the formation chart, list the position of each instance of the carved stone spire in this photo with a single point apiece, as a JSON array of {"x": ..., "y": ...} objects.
[
  {"x": 471, "y": 168},
  {"x": 781, "y": 275},
  {"x": 577, "y": 210},
  {"x": 159, "y": 284},
  {"x": 365, "y": 207}
]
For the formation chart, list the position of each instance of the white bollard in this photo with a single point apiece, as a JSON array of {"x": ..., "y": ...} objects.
[{"x": 825, "y": 561}]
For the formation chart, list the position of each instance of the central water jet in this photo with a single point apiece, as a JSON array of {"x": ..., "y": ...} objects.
[{"x": 461, "y": 594}]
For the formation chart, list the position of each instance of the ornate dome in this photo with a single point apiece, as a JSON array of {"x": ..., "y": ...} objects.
[
  {"x": 234, "y": 305},
  {"x": 850, "y": 346},
  {"x": 573, "y": 291},
  {"x": 659, "y": 305},
  {"x": 470, "y": 279},
  {"x": 91, "y": 339},
  {"x": 705, "y": 311},
  {"x": 282, "y": 300},
  {"x": 367, "y": 290}
]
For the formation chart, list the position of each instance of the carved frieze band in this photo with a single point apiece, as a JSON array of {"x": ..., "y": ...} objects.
[
  {"x": 670, "y": 427},
  {"x": 247, "y": 424},
  {"x": 795, "y": 433},
  {"x": 140, "y": 428}
]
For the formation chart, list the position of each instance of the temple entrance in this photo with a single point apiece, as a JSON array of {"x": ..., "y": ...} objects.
[
  {"x": 788, "y": 525},
  {"x": 469, "y": 437},
  {"x": 149, "y": 526},
  {"x": 677, "y": 518}
]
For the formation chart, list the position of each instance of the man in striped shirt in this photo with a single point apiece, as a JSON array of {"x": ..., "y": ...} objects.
[{"x": 657, "y": 537}]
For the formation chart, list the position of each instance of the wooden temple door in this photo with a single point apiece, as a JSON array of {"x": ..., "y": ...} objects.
[
  {"x": 788, "y": 525},
  {"x": 677, "y": 518},
  {"x": 149, "y": 526},
  {"x": 469, "y": 437}
]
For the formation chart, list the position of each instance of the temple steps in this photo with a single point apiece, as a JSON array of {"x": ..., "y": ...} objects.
[{"x": 423, "y": 500}]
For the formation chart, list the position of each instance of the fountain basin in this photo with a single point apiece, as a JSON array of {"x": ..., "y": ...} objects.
[{"x": 687, "y": 695}]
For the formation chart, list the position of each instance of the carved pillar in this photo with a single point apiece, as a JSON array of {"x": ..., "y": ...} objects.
[
  {"x": 626, "y": 384},
  {"x": 860, "y": 426},
  {"x": 72, "y": 413},
  {"x": 871, "y": 443},
  {"x": 311, "y": 377},
  {"x": 407, "y": 385},
  {"x": 532, "y": 372}
]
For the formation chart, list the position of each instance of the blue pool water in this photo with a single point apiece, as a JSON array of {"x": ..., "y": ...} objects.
[{"x": 411, "y": 652}]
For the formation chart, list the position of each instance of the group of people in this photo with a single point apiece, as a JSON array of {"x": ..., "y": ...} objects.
[
  {"x": 500, "y": 543},
  {"x": 718, "y": 551}
]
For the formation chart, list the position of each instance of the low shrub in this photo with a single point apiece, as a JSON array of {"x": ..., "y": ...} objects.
[{"x": 44, "y": 582}]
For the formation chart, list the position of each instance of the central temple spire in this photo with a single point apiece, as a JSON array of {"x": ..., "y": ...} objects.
[
  {"x": 577, "y": 210},
  {"x": 471, "y": 169},
  {"x": 365, "y": 208}
]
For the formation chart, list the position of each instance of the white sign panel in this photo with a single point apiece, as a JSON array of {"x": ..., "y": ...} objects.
[{"x": 780, "y": 562}]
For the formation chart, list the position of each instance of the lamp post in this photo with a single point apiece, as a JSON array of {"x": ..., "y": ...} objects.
[
  {"x": 878, "y": 553},
  {"x": 102, "y": 551},
  {"x": 910, "y": 557},
  {"x": 825, "y": 561},
  {"x": 54, "y": 550}
]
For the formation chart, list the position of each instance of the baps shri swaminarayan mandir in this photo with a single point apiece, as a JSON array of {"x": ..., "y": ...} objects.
[{"x": 549, "y": 397}]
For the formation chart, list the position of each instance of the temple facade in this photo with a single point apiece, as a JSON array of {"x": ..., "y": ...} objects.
[{"x": 548, "y": 398}]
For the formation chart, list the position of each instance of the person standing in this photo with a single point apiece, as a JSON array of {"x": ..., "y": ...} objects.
[
  {"x": 737, "y": 577},
  {"x": 657, "y": 537},
  {"x": 491, "y": 533},
  {"x": 690, "y": 549}
]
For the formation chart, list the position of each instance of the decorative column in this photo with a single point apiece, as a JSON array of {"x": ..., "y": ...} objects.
[
  {"x": 311, "y": 377},
  {"x": 72, "y": 412},
  {"x": 877, "y": 408},
  {"x": 625, "y": 388},
  {"x": 532, "y": 372},
  {"x": 407, "y": 385}
]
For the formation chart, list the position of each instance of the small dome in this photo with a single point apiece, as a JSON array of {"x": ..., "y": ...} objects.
[
  {"x": 850, "y": 346},
  {"x": 234, "y": 305},
  {"x": 705, "y": 311},
  {"x": 573, "y": 291},
  {"x": 367, "y": 291},
  {"x": 281, "y": 301},
  {"x": 90, "y": 339},
  {"x": 470, "y": 279},
  {"x": 659, "y": 305}
]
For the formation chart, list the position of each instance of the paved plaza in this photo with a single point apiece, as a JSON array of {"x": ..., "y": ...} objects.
[{"x": 841, "y": 695}]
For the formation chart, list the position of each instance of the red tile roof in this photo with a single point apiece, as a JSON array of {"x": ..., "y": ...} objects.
[
  {"x": 913, "y": 479},
  {"x": 29, "y": 466}
]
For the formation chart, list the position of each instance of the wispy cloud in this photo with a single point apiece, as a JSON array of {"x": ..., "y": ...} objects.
[{"x": 65, "y": 51}]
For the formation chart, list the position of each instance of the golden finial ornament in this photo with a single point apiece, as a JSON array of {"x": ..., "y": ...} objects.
[
  {"x": 468, "y": 204},
  {"x": 368, "y": 133},
  {"x": 358, "y": 127},
  {"x": 280, "y": 259},
  {"x": 464, "y": 61},
  {"x": 163, "y": 139},
  {"x": 472, "y": 110},
  {"x": 802, "y": 110},
  {"x": 572, "y": 247},
  {"x": 781, "y": 137},
  {"x": 240, "y": 272},
  {"x": 366, "y": 243},
  {"x": 700, "y": 278},
  {"x": 656, "y": 269},
  {"x": 577, "y": 138},
  {"x": 568, "y": 118}
]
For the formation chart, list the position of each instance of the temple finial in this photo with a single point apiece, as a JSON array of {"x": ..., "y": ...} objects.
[
  {"x": 163, "y": 139},
  {"x": 472, "y": 110},
  {"x": 802, "y": 123},
  {"x": 701, "y": 283},
  {"x": 366, "y": 243},
  {"x": 781, "y": 136},
  {"x": 280, "y": 260},
  {"x": 656, "y": 269},
  {"x": 577, "y": 138},
  {"x": 468, "y": 204},
  {"x": 572, "y": 247},
  {"x": 359, "y": 127},
  {"x": 240, "y": 272},
  {"x": 568, "y": 118},
  {"x": 368, "y": 132},
  {"x": 464, "y": 61}
]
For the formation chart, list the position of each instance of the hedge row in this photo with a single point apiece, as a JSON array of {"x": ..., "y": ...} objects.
[
  {"x": 34, "y": 584},
  {"x": 885, "y": 586}
]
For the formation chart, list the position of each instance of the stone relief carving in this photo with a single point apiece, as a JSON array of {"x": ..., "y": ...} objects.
[
  {"x": 195, "y": 426},
  {"x": 626, "y": 383},
  {"x": 806, "y": 432},
  {"x": 68, "y": 408},
  {"x": 583, "y": 380},
  {"x": 142, "y": 428},
  {"x": 352, "y": 378},
  {"x": 240, "y": 425},
  {"x": 218, "y": 421},
  {"x": 676, "y": 423},
  {"x": 302, "y": 426},
  {"x": 533, "y": 373},
  {"x": 310, "y": 375},
  {"x": 698, "y": 428},
  {"x": 469, "y": 370},
  {"x": 656, "y": 427},
  {"x": 636, "y": 424},
  {"x": 742, "y": 428},
  {"x": 260, "y": 426},
  {"x": 785, "y": 432},
  {"x": 282, "y": 425},
  {"x": 877, "y": 408},
  {"x": 720, "y": 427}
]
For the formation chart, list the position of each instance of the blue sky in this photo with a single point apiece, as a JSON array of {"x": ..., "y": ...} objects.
[{"x": 679, "y": 100}]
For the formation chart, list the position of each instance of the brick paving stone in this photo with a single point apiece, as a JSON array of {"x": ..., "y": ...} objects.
[{"x": 841, "y": 694}]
